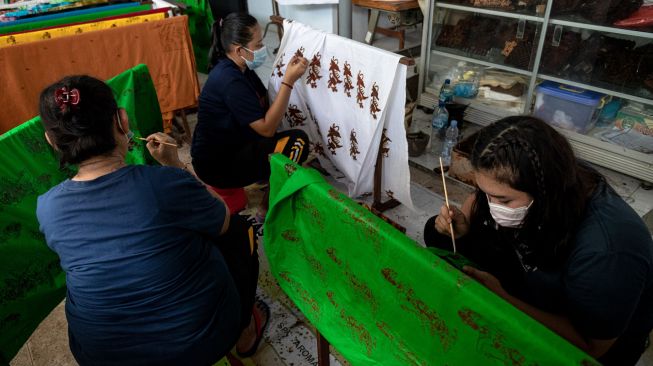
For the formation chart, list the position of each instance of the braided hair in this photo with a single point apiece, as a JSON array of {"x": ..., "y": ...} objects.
[
  {"x": 528, "y": 155},
  {"x": 78, "y": 115}
]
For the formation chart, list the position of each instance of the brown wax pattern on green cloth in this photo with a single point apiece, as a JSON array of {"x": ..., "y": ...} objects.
[{"x": 379, "y": 297}]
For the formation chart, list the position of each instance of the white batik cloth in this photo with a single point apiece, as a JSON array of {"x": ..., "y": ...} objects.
[{"x": 350, "y": 99}]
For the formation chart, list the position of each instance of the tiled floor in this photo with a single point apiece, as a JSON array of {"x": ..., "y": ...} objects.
[{"x": 49, "y": 343}]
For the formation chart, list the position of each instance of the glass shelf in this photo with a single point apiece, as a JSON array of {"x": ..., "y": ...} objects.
[
  {"x": 600, "y": 28},
  {"x": 594, "y": 14},
  {"x": 618, "y": 65},
  {"x": 580, "y": 44},
  {"x": 531, "y": 16},
  {"x": 460, "y": 55},
  {"x": 492, "y": 40}
]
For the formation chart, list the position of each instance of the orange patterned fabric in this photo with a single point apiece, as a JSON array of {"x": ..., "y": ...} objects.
[{"x": 163, "y": 45}]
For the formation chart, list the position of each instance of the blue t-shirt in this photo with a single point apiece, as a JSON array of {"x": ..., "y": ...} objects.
[
  {"x": 146, "y": 283},
  {"x": 229, "y": 102}
]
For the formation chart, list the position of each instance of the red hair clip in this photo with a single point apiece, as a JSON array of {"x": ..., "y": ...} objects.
[{"x": 64, "y": 98}]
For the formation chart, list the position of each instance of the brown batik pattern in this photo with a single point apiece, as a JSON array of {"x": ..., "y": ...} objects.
[
  {"x": 333, "y": 138},
  {"x": 374, "y": 105},
  {"x": 349, "y": 85},
  {"x": 318, "y": 148},
  {"x": 334, "y": 75},
  {"x": 314, "y": 69},
  {"x": 279, "y": 65},
  {"x": 294, "y": 116},
  {"x": 353, "y": 145},
  {"x": 360, "y": 93},
  {"x": 385, "y": 143}
]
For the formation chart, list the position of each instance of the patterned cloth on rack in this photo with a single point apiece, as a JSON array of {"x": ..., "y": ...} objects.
[
  {"x": 71, "y": 30},
  {"x": 164, "y": 45},
  {"x": 351, "y": 104}
]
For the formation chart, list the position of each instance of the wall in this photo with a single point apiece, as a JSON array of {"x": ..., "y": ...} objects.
[{"x": 322, "y": 17}]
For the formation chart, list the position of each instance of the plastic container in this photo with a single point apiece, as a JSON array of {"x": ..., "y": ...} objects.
[
  {"x": 417, "y": 142},
  {"x": 439, "y": 123},
  {"x": 567, "y": 107},
  {"x": 450, "y": 141},
  {"x": 446, "y": 92},
  {"x": 465, "y": 80},
  {"x": 608, "y": 114}
]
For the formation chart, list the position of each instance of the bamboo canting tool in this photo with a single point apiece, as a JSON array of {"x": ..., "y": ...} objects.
[
  {"x": 158, "y": 142},
  {"x": 446, "y": 199}
]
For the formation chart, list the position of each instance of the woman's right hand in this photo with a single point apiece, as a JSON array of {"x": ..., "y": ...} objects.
[
  {"x": 162, "y": 150},
  {"x": 454, "y": 216},
  {"x": 296, "y": 68}
]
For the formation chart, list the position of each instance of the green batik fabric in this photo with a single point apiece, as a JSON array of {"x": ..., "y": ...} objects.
[
  {"x": 200, "y": 21},
  {"x": 378, "y": 297},
  {"x": 72, "y": 19},
  {"x": 31, "y": 281}
]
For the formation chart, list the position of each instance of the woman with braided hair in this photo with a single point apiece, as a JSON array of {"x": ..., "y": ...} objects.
[{"x": 551, "y": 237}]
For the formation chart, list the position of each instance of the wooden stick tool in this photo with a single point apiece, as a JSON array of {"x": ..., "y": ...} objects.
[
  {"x": 158, "y": 142},
  {"x": 446, "y": 199}
]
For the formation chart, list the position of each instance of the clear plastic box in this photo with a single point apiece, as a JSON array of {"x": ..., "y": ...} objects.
[{"x": 567, "y": 107}]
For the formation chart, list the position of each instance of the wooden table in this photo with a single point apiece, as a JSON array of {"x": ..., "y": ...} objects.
[{"x": 391, "y": 6}]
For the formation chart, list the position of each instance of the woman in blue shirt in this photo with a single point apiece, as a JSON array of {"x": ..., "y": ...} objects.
[
  {"x": 157, "y": 272},
  {"x": 552, "y": 238},
  {"x": 236, "y": 128}
]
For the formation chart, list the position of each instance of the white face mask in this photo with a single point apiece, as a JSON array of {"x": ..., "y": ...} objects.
[{"x": 506, "y": 216}]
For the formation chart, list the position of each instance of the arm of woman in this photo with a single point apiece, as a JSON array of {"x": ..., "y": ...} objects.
[
  {"x": 602, "y": 291},
  {"x": 167, "y": 155},
  {"x": 563, "y": 326},
  {"x": 557, "y": 323},
  {"x": 268, "y": 125}
]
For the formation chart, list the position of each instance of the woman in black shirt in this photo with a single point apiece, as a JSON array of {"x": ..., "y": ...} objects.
[{"x": 552, "y": 238}]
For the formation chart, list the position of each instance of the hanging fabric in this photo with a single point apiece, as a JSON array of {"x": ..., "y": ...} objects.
[{"x": 350, "y": 102}]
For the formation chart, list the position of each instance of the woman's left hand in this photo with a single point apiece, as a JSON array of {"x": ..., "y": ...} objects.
[
  {"x": 165, "y": 154},
  {"x": 486, "y": 279}
]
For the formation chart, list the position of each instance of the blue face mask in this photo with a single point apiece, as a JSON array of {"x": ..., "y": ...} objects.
[
  {"x": 259, "y": 57},
  {"x": 129, "y": 135}
]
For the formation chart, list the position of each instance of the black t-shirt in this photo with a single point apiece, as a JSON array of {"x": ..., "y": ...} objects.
[
  {"x": 605, "y": 286},
  {"x": 229, "y": 102}
]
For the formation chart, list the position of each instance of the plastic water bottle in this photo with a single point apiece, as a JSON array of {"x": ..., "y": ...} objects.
[
  {"x": 438, "y": 125},
  {"x": 446, "y": 92},
  {"x": 450, "y": 140}
]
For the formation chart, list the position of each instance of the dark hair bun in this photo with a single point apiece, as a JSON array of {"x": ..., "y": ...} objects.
[{"x": 83, "y": 129}]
